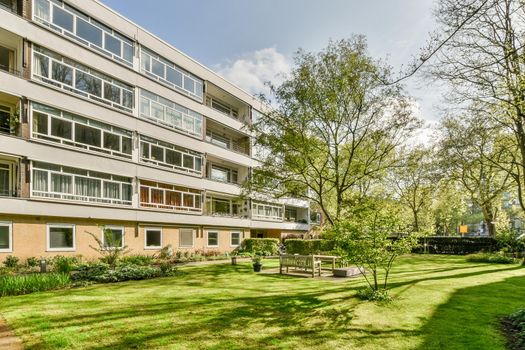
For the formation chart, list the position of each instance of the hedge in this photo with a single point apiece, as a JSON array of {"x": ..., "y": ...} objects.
[
  {"x": 261, "y": 246},
  {"x": 308, "y": 246},
  {"x": 456, "y": 245}
]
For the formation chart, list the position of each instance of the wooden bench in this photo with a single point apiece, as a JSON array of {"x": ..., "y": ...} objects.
[{"x": 306, "y": 262}]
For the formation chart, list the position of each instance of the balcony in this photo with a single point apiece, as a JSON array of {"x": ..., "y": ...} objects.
[
  {"x": 224, "y": 206},
  {"x": 227, "y": 104},
  {"x": 8, "y": 177},
  {"x": 170, "y": 197},
  {"x": 10, "y": 5},
  {"x": 227, "y": 138},
  {"x": 10, "y": 52},
  {"x": 267, "y": 211},
  {"x": 295, "y": 214},
  {"x": 223, "y": 171},
  {"x": 9, "y": 114}
]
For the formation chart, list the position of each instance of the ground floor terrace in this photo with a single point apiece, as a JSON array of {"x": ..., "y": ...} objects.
[
  {"x": 441, "y": 302},
  {"x": 26, "y": 236}
]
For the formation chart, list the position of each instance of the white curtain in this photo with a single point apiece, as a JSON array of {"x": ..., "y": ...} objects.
[
  {"x": 4, "y": 182},
  {"x": 111, "y": 190},
  {"x": 42, "y": 9},
  {"x": 40, "y": 181},
  {"x": 87, "y": 187},
  {"x": 62, "y": 183}
]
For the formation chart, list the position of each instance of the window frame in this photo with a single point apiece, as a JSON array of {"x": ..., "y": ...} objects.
[
  {"x": 48, "y": 237},
  {"x": 9, "y": 224},
  {"x": 113, "y": 227},
  {"x": 231, "y": 238},
  {"x": 192, "y": 238},
  {"x": 208, "y": 238},
  {"x": 152, "y": 228}
]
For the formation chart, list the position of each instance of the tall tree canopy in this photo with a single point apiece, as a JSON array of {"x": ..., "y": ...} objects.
[{"x": 334, "y": 130}]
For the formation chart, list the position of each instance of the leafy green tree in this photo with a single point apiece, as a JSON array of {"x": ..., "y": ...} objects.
[
  {"x": 367, "y": 240},
  {"x": 334, "y": 131},
  {"x": 449, "y": 206}
]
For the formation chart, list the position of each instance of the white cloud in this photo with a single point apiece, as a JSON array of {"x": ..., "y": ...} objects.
[{"x": 251, "y": 71}]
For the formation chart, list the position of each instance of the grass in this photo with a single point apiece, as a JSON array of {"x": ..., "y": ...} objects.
[
  {"x": 35, "y": 282},
  {"x": 442, "y": 302}
]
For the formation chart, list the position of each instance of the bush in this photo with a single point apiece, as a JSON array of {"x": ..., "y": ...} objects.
[
  {"x": 141, "y": 260},
  {"x": 456, "y": 245},
  {"x": 260, "y": 246},
  {"x": 32, "y": 262},
  {"x": 374, "y": 295},
  {"x": 24, "y": 284},
  {"x": 308, "y": 246},
  {"x": 11, "y": 261},
  {"x": 64, "y": 264},
  {"x": 495, "y": 258},
  {"x": 101, "y": 272},
  {"x": 514, "y": 326}
]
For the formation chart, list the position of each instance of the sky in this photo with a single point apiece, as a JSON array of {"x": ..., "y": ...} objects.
[{"x": 250, "y": 42}]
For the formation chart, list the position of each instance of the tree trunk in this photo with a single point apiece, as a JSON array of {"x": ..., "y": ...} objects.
[{"x": 488, "y": 218}]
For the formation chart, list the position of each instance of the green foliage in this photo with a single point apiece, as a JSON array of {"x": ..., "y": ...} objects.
[
  {"x": 25, "y": 284},
  {"x": 456, "y": 245},
  {"x": 510, "y": 241},
  {"x": 260, "y": 246},
  {"x": 516, "y": 323},
  {"x": 11, "y": 261},
  {"x": 104, "y": 273},
  {"x": 111, "y": 250},
  {"x": 496, "y": 258},
  {"x": 32, "y": 262},
  {"x": 380, "y": 295},
  {"x": 64, "y": 264},
  {"x": 137, "y": 259},
  {"x": 366, "y": 242},
  {"x": 166, "y": 252},
  {"x": 308, "y": 246}
]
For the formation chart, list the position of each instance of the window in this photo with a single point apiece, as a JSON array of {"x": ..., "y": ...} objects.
[
  {"x": 58, "y": 182},
  {"x": 60, "y": 237},
  {"x": 6, "y": 237},
  {"x": 218, "y": 173},
  {"x": 186, "y": 238},
  {"x": 153, "y": 238},
  {"x": 213, "y": 239},
  {"x": 235, "y": 239},
  {"x": 6, "y": 179},
  {"x": 170, "y": 197},
  {"x": 290, "y": 214},
  {"x": 267, "y": 211},
  {"x": 168, "y": 155},
  {"x": 83, "y": 29},
  {"x": 168, "y": 73},
  {"x": 165, "y": 112},
  {"x": 222, "y": 107},
  {"x": 79, "y": 79},
  {"x": 113, "y": 237},
  {"x": 54, "y": 125},
  {"x": 222, "y": 206},
  {"x": 7, "y": 59}
]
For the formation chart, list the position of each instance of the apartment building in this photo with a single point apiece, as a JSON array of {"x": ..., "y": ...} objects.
[{"x": 104, "y": 126}]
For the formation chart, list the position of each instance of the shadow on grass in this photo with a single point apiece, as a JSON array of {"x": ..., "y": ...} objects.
[{"x": 470, "y": 319}]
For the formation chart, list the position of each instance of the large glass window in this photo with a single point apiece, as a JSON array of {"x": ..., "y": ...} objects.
[
  {"x": 75, "y": 25},
  {"x": 170, "y": 74},
  {"x": 60, "y": 237},
  {"x": 59, "y": 182},
  {"x": 168, "y": 113},
  {"x": 54, "y": 125},
  {"x": 267, "y": 211},
  {"x": 171, "y": 156},
  {"x": 77, "y": 78},
  {"x": 170, "y": 197},
  {"x": 186, "y": 238},
  {"x": 6, "y": 236},
  {"x": 222, "y": 206},
  {"x": 222, "y": 174},
  {"x": 235, "y": 239},
  {"x": 213, "y": 239},
  {"x": 153, "y": 238},
  {"x": 113, "y": 237}
]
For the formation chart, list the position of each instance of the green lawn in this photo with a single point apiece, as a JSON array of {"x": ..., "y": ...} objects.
[{"x": 442, "y": 302}]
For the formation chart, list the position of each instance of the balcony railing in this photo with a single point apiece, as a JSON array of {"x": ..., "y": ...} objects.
[
  {"x": 227, "y": 142},
  {"x": 170, "y": 199}
]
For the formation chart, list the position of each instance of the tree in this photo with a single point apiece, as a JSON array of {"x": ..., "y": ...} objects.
[
  {"x": 469, "y": 153},
  {"x": 334, "y": 130},
  {"x": 414, "y": 181},
  {"x": 483, "y": 62},
  {"x": 449, "y": 206},
  {"x": 366, "y": 241},
  {"x": 110, "y": 249}
]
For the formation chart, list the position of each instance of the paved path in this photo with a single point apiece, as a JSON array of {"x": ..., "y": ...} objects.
[{"x": 8, "y": 339}]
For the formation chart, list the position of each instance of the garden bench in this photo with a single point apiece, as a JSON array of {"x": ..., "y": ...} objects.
[{"x": 306, "y": 262}]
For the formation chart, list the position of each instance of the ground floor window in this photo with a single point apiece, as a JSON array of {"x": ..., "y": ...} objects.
[
  {"x": 6, "y": 236},
  {"x": 153, "y": 238},
  {"x": 213, "y": 239},
  {"x": 61, "y": 237},
  {"x": 113, "y": 237},
  {"x": 186, "y": 238},
  {"x": 235, "y": 239}
]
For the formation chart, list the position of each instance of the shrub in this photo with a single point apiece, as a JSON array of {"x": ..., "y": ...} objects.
[
  {"x": 64, "y": 264},
  {"x": 514, "y": 326},
  {"x": 308, "y": 246},
  {"x": 260, "y": 246},
  {"x": 495, "y": 258},
  {"x": 110, "y": 250},
  {"x": 142, "y": 260},
  {"x": 32, "y": 262},
  {"x": 374, "y": 295},
  {"x": 456, "y": 245},
  {"x": 167, "y": 269},
  {"x": 89, "y": 272},
  {"x": 24, "y": 284},
  {"x": 166, "y": 252},
  {"x": 11, "y": 261},
  {"x": 101, "y": 272}
]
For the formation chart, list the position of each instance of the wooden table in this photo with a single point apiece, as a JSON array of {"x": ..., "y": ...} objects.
[{"x": 330, "y": 258}]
